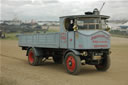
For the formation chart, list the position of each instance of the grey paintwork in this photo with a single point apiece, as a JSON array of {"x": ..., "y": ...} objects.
[
  {"x": 81, "y": 39},
  {"x": 50, "y": 40},
  {"x": 93, "y": 39},
  {"x": 69, "y": 40}
]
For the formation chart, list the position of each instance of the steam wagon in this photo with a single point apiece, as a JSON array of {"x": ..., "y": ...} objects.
[{"x": 83, "y": 39}]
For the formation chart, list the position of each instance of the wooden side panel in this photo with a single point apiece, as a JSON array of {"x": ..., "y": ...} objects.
[{"x": 50, "y": 40}]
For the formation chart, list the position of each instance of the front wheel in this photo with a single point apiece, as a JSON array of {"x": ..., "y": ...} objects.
[
  {"x": 72, "y": 63},
  {"x": 105, "y": 64}
]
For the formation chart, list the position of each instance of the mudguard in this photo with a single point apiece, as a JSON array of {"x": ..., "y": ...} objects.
[
  {"x": 72, "y": 50},
  {"x": 37, "y": 51}
]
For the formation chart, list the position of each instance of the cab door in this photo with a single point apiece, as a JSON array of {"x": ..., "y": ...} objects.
[{"x": 71, "y": 40}]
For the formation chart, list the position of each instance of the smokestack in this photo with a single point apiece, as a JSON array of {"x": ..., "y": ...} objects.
[{"x": 96, "y": 11}]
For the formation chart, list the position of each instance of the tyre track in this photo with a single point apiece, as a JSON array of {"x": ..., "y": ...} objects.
[{"x": 11, "y": 57}]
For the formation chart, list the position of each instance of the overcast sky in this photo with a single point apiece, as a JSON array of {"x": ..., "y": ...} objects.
[{"x": 53, "y": 9}]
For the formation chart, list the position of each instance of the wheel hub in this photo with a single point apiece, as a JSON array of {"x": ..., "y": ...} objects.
[{"x": 71, "y": 64}]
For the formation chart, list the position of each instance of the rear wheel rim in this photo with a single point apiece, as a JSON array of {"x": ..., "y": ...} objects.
[
  {"x": 71, "y": 64},
  {"x": 30, "y": 57}
]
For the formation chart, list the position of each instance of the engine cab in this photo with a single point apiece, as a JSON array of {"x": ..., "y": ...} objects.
[{"x": 78, "y": 31}]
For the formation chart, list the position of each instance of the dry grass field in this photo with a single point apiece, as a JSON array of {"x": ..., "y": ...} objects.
[{"x": 15, "y": 70}]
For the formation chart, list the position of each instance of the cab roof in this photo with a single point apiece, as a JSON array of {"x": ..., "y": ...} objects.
[{"x": 86, "y": 16}]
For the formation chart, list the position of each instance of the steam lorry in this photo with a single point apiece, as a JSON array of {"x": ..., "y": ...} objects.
[{"x": 83, "y": 39}]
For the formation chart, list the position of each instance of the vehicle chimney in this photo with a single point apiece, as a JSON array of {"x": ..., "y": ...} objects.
[{"x": 96, "y": 11}]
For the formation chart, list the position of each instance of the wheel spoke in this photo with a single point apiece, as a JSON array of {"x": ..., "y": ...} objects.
[{"x": 71, "y": 63}]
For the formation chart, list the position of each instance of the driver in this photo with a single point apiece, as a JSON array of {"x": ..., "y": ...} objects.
[{"x": 70, "y": 28}]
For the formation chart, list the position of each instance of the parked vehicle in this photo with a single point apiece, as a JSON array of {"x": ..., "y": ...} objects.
[
  {"x": 83, "y": 39},
  {"x": 2, "y": 34}
]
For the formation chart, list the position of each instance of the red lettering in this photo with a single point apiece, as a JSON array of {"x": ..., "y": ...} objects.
[
  {"x": 63, "y": 33},
  {"x": 63, "y": 37},
  {"x": 94, "y": 41},
  {"x": 97, "y": 36},
  {"x": 71, "y": 40},
  {"x": 100, "y": 46},
  {"x": 80, "y": 46}
]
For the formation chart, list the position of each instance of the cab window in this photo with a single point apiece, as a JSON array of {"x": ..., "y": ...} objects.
[{"x": 87, "y": 23}]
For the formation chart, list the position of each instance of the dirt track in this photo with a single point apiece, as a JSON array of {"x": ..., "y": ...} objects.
[{"x": 15, "y": 69}]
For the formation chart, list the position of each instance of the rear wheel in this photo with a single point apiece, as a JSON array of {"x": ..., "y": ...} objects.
[
  {"x": 32, "y": 59},
  {"x": 105, "y": 64},
  {"x": 72, "y": 63}
]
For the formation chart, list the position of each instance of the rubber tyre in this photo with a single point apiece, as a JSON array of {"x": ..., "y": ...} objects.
[
  {"x": 57, "y": 60},
  {"x": 72, "y": 63},
  {"x": 105, "y": 65},
  {"x": 32, "y": 59}
]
